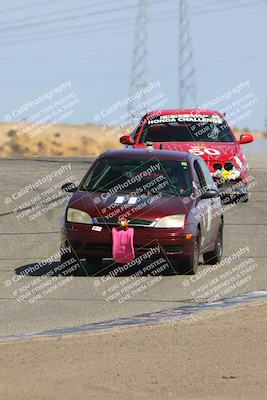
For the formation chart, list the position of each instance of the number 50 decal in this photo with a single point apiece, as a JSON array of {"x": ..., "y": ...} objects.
[{"x": 211, "y": 152}]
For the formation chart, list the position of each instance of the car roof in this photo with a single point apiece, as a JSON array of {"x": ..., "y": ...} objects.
[
  {"x": 148, "y": 153},
  {"x": 184, "y": 111}
]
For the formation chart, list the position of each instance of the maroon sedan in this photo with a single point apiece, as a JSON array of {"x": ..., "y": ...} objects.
[{"x": 168, "y": 197}]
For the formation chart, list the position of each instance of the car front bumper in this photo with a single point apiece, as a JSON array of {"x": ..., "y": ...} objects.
[
  {"x": 86, "y": 242},
  {"x": 233, "y": 188}
]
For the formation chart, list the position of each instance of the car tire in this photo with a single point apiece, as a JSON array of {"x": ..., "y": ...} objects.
[
  {"x": 242, "y": 198},
  {"x": 215, "y": 256},
  {"x": 93, "y": 264},
  {"x": 67, "y": 257},
  {"x": 189, "y": 265},
  {"x": 93, "y": 260},
  {"x": 226, "y": 200}
]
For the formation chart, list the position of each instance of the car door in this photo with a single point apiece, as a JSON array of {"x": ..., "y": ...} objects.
[
  {"x": 203, "y": 206},
  {"x": 216, "y": 205}
]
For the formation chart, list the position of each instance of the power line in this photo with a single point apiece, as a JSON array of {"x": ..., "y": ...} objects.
[
  {"x": 68, "y": 18},
  {"x": 31, "y": 5},
  {"x": 186, "y": 70},
  {"x": 71, "y": 28},
  {"x": 70, "y": 31},
  {"x": 64, "y": 35},
  {"x": 37, "y": 5},
  {"x": 139, "y": 62},
  {"x": 101, "y": 12},
  {"x": 74, "y": 17},
  {"x": 53, "y": 13}
]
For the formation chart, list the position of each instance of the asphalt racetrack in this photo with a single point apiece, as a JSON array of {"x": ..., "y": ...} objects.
[{"x": 74, "y": 301}]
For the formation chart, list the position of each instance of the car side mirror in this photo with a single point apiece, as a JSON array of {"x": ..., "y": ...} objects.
[
  {"x": 209, "y": 194},
  {"x": 245, "y": 138},
  {"x": 69, "y": 187},
  {"x": 127, "y": 139}
]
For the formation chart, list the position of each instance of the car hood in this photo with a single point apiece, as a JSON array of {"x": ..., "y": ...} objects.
[
  {"x": 150, "y": 207},
  {"x": 209, "y": 151}
]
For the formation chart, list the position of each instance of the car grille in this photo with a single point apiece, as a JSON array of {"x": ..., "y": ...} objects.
[{"x": 133, "y": 222}]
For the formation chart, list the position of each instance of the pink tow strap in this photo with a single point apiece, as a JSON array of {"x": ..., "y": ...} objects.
[{"x": 122, "y": 245}]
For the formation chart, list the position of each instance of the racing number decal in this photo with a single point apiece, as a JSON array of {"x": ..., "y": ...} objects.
[{"x": 211, "y": 152}]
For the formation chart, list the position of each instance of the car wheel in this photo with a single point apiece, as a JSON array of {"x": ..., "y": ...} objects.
[
  {"x": 242, "y": 198},
  {"x": 93, "y": 264},
  {"x": 66, "y": 258},
  {"x": 190, "y": 264},
  {"x": 225, "y": 200},
  {"x": 215, "y": 256},
  {"x": 93, "y": 260}
]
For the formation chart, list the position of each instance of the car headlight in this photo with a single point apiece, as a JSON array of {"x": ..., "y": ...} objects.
[
  {"x": 78, "y": 216},
  {"x": 171, "y": 221}
]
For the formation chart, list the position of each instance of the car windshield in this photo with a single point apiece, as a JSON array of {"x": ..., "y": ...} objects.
[
  {"x": 139, "y": 176},
  {"x": 186, "y": 128}
]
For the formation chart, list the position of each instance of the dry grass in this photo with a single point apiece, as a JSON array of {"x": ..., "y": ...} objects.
[
  {"x": 59, "y": 140},
  {"x": 64, "y": 140}
]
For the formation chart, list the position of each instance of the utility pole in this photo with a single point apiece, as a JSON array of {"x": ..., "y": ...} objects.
[
  {"x": 136, "y": 106},
  {"x": 187, "y": 85}
]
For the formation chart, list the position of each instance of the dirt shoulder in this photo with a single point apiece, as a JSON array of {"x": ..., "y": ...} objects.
[{"x": 218, "y": 355}]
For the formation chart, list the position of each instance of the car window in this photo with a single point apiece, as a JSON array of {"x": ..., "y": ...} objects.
[
  {"x": 207, "y": 175},
  {"x": 128, "y": 175},
  {"x": 182, "y": 128},
  {"x": 200, "y": 181}
]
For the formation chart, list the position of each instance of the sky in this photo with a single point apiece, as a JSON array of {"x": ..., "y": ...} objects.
[{"x": 90, "y": 43}]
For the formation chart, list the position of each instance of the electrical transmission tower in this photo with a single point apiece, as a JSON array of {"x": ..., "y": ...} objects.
[
  {"x": 187, "y": 85},
  {"x": 138, "y": 81}
]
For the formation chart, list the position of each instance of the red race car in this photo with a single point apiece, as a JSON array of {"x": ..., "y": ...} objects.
[
  {"x": 167, "y": 197},
  {"x": 204, "y": 133}
]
